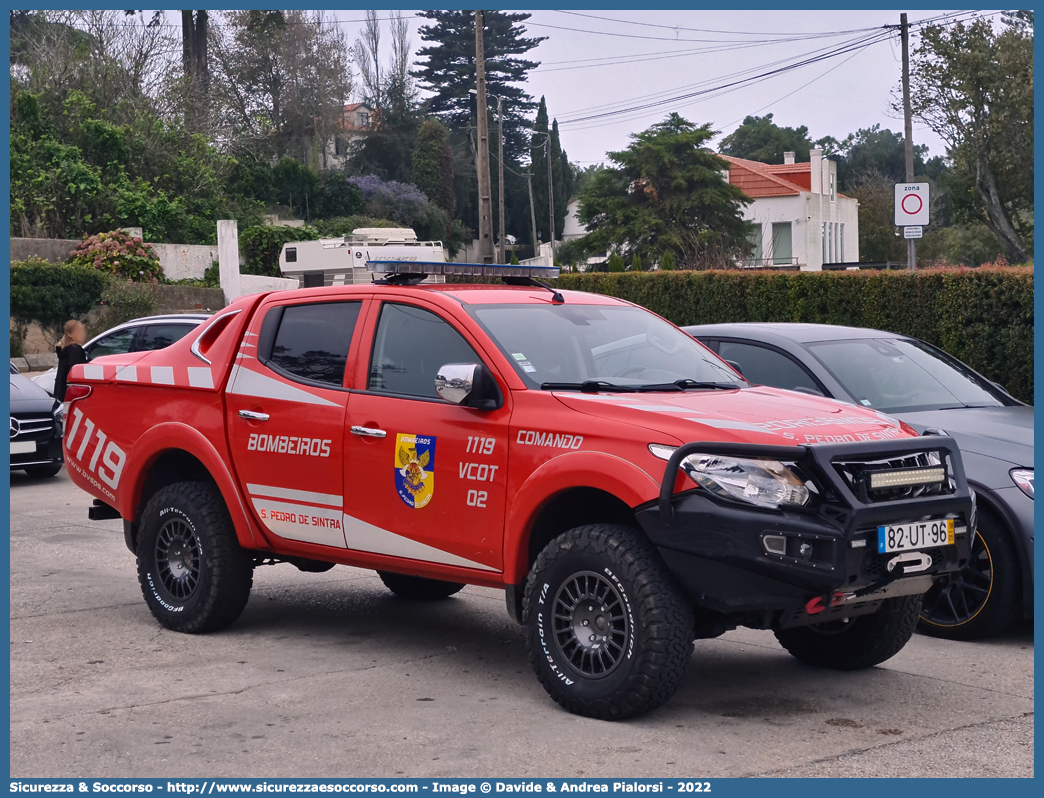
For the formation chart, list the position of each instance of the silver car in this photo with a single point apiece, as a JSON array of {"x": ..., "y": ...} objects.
[{"x": 138, "y": 335}]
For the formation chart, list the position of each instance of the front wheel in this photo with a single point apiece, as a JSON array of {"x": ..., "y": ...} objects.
[
  {"x": 983, "y": 598},
  {"x": 855, "y": 643},
  {"x": 608, "y": 630},
  {"x": 192, "y": 571}
]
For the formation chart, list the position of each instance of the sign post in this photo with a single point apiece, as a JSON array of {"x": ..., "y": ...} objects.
[{"x": 911, "y": 211}]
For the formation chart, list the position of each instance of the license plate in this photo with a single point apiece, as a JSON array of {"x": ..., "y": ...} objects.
[
  {"x": 911, "y": 535},
  {"x": 23, "y": 447}
]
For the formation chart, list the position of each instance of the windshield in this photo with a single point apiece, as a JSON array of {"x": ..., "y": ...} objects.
[
  {"x": 619, "y": 345},
  {"x": 894, "y": 375}
]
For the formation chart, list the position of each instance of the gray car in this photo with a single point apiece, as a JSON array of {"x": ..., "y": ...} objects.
[{"x": 926, "y": 388}]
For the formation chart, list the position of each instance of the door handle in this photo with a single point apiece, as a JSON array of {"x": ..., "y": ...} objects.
[
  {"x": 250, "y": 415},
  {"x": 368, "y": 432}
]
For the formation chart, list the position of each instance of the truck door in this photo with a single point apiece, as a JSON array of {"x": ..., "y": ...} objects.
[
  {"x": 286, "y": 404},
  {"x": 424, "y": 479}
]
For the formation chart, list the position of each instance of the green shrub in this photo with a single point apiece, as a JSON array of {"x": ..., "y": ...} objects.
[
  {"x": 51, "y": 294},
  {"x": 123, "y": 300},
  {"x": 667, "y": 262},
  {"x": 119, "y": 255},
  {"x": 262, "y": 245},
  {"x": 615, "y": 263},
  {"x": 17, "y": 340},
  {"x": 982, "y": 316}
]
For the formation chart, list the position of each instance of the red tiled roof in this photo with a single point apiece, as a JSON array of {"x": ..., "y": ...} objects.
[{"x": 769, "y": 180}]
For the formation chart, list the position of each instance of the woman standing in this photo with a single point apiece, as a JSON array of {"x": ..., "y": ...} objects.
[{"x": 70, "y": 352}]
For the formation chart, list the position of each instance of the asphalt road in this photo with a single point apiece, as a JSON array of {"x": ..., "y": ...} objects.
[{"x": 331, "y": 675}]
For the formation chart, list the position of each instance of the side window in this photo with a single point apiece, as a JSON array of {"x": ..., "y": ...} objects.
[
  {"x": 160, "y": 336},
  {"x": 410, "y": 347},
  {"x": 116, "y": 344},
  {"x": 312, "y": 341},
  {"x": 764, "y": 366}
]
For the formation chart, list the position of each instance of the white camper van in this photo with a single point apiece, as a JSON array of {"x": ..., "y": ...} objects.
[{"x": 342, "y": 261}]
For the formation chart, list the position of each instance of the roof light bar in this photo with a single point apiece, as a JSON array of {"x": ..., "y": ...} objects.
[
  {"x": 898, "y": 479},
  {"x": 461, "y": 269}
]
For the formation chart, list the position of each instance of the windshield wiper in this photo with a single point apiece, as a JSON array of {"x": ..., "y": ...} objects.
[
  {"x": 587, "y": 386},
  {"x": 684, "y": 385}
]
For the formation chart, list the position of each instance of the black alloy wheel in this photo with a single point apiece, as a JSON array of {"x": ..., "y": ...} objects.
[
  {"x": 178, "y": 557},
  {"x": 590, "y": 624}
]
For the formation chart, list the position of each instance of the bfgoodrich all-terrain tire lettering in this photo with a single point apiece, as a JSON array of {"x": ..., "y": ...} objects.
[
  {"x": 417, "y": 587},
  {"x": 192, "y": 571},
  {"x": 608, "y": 630},
  {"x": 861, "y": 642}
]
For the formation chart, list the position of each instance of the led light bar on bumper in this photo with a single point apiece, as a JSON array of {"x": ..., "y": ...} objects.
[
  {"x": 461, "y": 269},
  {"x": 901, "y": 479},
  {"x": 757, "y": 481}
]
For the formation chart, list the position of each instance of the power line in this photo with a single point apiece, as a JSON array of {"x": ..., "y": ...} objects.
[{"x": 710, "y": 30}]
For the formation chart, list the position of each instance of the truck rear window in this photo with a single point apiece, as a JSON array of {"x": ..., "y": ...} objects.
[{"x": 313, "y": 340}]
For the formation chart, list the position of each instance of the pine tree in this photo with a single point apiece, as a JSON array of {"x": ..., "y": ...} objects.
[
  {"x": 538, "y": 168},
  {"x": 447, "y": 69},
  {"x": 615, "y": 263},
  {"x": 558, "y": 180},
  {"x": 636, "y": 264},
  {"x": 433, "y": 165},
  {"x": 667, "y": 262}
]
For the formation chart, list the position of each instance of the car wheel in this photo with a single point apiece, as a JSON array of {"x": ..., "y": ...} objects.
[
  {"x": 193, "y": 573},
  {"x": 855, "y": 643},
  {"x": 608, "y": 630},
  {"x": 417, "y": 587},
  {"x": 43, "y": 470},
  {"x": 983, "y": 598}
]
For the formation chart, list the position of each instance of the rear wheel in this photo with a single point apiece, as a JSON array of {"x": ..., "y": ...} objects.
[
  {"x": 983, "y": 598},
  {"x": 193, "y": 573},
  {"x": 608, "y": 630},
  {"x": 417, "y": 587},
  {"x": 855, "y": 643}
]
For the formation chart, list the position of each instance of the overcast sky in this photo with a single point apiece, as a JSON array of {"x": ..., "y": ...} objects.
[{"x": 592, "y": 66}]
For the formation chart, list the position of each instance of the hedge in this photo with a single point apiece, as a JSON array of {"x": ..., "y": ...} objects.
[
  {"x": 52, "y": 294},
  {"x": 982, "y": 316},
  {"x": 262, "y": 245}
]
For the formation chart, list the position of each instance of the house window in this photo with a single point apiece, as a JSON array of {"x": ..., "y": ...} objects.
[
  {"x": 842, "y": 258},
  {"x": 364, "y": 121},
  {"x": 822, "y": 240},
  {"x": 833, "y": 189},
  {"x": 756, "y": 234},
  {"x": 782, "y": 246}
]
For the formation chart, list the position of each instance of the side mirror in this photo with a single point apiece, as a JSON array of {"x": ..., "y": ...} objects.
[
  {"x": 468, "y": 384},
  {"x": 735, "y": 366}
]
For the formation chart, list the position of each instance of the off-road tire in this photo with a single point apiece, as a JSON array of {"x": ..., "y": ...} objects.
[
  {"x": 39, "y": 471},
  {"x": 862, "y": 642},
  {"x": 985, "y": 597},
  {"x": 418, "y": 588},
  {"x": 207, "y": 587},
  {"x": 649, "y": 618}
]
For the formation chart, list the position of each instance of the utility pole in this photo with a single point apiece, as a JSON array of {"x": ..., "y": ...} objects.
[
  {"x": 500, "y": 183},
  {"x": 532, "y": 213},
  {"x": 908, "y": 121},
  {"x": 485, "y": 207},
  {"x": 550, "y": 201}
]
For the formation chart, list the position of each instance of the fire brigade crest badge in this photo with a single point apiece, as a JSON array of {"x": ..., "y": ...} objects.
[{"x": 414, "y": 469}]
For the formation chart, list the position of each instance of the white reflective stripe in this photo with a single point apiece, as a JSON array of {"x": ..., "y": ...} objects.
[
  {"x": 251, "y": 383},
  {"x": 331, "y": 499},
  {"x": 200, "y": 377},
  {"x": 722, "y": 423},
  {"x": 163, "y": 375},
  {"x": 127, "y": 373},
  {"x": 362, "y": 536},
  {"x": 93, "y": 372},
  {"x": 245, "y": 344},
  {"x": 299, "y": 522},
  {"x": 247, "y": 334},
  {"x": 660, "y": 408}
]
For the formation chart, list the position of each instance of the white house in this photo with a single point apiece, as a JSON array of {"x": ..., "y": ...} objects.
[
  {"x": 357, "y": 121},
  {"x": 800, "y": 217}
]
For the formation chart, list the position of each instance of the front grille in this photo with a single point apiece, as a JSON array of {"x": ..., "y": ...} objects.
[
  {"x": 873, "y": 566},
  {"x": 30, "y": 425},
  {"x": 856, "y": 475}
]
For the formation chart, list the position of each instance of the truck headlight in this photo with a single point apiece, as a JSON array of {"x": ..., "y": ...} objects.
[
  {"x": 1023, "y": 477},
  {"x": 761, "y": 482}
]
